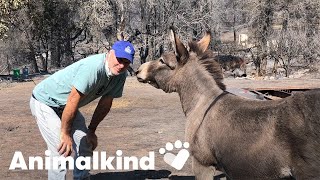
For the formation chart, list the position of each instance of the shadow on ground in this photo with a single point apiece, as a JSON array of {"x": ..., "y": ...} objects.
[
  {"x": 142, "y": 175},
  {"x": 139, "y": 175}
]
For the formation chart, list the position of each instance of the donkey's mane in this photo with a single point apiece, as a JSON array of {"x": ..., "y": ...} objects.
[{"x": 207, "y": 60}]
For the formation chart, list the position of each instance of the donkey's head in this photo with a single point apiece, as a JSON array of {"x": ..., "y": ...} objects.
[{"x": 170, "y": 70}]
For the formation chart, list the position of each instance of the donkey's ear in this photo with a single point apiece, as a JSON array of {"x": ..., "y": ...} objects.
[
  {"x": 180, "y": 50},
  {"x": 204, "y": 42}
]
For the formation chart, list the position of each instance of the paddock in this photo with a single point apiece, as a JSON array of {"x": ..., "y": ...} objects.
[{"x": 143, "y": 120}]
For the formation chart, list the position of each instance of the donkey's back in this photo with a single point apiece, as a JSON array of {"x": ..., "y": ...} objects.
[{"x": 264, "y": 139}]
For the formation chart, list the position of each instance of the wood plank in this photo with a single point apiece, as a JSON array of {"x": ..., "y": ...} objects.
[{"x": 283, "y": 84}]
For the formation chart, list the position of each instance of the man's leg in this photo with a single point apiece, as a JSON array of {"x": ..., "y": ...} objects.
[
  {"x": 49, "y": 125},
  {"x": 80, "y": 145}
]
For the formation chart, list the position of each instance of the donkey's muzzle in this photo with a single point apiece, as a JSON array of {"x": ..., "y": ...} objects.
[{"x": 141, "y": 80}]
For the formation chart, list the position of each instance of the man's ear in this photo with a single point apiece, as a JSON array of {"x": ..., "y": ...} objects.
[
  {"x": 111, "y": 55},
  {"x": 111, "y": 51}
]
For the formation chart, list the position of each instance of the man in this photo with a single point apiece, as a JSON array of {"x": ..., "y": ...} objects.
[{"x": 55, "y": 102}]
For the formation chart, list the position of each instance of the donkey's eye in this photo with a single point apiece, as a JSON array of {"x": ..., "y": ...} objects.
[{"x": 161, "y": 61}]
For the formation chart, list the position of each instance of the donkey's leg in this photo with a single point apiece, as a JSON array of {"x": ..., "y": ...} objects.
[{"x": 202, "y": 172}]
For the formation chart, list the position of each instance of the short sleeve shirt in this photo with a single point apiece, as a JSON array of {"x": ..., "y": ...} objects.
[{"x": 89, "y": 76}]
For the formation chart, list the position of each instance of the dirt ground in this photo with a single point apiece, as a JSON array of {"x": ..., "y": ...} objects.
[{"x": 143, "y": 120}]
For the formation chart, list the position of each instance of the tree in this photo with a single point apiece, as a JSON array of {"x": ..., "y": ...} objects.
[
  {"x": 262, "y": 30},
  {"x": 60, "y": 32},
  {"x": 7, "y": 7}
]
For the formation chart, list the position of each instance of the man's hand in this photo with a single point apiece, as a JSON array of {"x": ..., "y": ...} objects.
[
  {"x": 92, "y": 139},
  {"x": 68, "y": 115},
  {"x": 65, "y": 146},
  {"x": 100, "y": 112}
]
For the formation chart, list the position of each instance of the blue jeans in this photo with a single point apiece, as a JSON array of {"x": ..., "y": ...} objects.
[{"x": 50, "y": 126}]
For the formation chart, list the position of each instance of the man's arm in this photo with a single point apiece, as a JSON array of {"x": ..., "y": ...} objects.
[
  {"x": 99, "y": 114},
  {"x": 67, "y": 118}
]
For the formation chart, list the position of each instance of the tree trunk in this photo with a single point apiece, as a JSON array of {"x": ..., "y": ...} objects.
[
  {"x": 33, "y": 59},
  {"x": 8, "y": 65},
  {"x": 55, "y": 53}
]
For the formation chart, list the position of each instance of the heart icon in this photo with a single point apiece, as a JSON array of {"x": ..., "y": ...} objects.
[
  {"x": 177, "y": 161},
  {"x": 169, "y": 158}
]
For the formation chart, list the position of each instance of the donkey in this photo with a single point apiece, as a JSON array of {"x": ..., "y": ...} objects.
[
  {"x": 230, "y": 62},
  {"x": 246, "y": 139}
]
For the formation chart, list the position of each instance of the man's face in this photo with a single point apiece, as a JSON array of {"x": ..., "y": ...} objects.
[{"x": 117, "y": 65}]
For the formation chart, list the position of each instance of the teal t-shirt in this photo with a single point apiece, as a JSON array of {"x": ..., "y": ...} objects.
[{"x": 89, "y": 76}]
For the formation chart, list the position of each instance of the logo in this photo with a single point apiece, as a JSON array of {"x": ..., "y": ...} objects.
[
  {"x": 176, "y": 161},
  {"x": 128, "y": 50},
  {"x": 99, "y": 160}
]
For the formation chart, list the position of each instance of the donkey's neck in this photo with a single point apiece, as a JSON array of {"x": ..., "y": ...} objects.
[{"x": 197, "y": 91}]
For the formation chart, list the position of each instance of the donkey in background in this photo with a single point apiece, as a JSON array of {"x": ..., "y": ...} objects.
[
  {"x": 234, "y": 64},
  {"x": 230, "y": 62},
  {"x": 246, "y": 139}
]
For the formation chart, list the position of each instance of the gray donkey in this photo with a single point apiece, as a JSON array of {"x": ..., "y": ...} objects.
[{"x": 246, "y": 139}]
